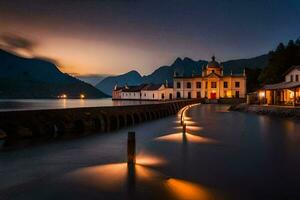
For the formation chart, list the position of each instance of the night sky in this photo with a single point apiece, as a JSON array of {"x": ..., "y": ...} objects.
[{"x": 114, "y": 36}]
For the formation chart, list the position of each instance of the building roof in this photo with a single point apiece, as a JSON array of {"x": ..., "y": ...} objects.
[
  {"x": 292, "y": 68},
  {"x": 200, "y": 76},
  {"x": 212, "y": 74},
  {"x": 283, "y": 85},
  {"x": 213, "y": 63},
  {"x": 137, "y": 88},
  {"x": 152, "y": 87}
]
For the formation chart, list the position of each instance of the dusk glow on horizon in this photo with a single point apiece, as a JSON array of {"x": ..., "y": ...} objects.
[{"x": 113, "y": 37}]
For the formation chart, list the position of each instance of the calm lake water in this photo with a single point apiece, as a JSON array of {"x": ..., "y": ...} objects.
[
  {"x": 38, "y": 104},
  {"x": 224, "y": 155}
]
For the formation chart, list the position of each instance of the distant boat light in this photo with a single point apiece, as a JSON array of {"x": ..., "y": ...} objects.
[{"x": 82, "y": 96}]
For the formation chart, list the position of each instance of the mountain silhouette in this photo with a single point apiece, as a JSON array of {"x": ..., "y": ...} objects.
[
  {"x": 36, "y": 78},
  {"x": 185, "y": 67}
]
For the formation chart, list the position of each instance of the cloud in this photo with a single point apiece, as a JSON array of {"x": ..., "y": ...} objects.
[{"x": 15, "y": 42}]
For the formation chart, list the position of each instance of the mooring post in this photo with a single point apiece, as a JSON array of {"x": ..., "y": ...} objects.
[
  {"x": 131, "y": 148},
  {"x": 184, "y": 128}
]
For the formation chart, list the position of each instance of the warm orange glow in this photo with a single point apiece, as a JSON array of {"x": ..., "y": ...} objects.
[
  {"x": 113, "y": 175},
  {"x": 148, "y": 160},
  {"x": 188, "y": 122},
  {"x": 191, "y": 128},
  {"x": 181, "y": 189},
  {"x": 291, "y": 94},
  {"x": 82, "y": 96},
  {"x": 178, "y": 137},
  {"x": 262, "y": 94},
  {"x": 63, "y": 96}
]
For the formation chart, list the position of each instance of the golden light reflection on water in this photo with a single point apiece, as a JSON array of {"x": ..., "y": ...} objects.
[
  {"x": 179, "y": 137},
  {"x": 108, "y": 177},
  {"x": 189, "y": 122},
  {"x": 149, "y": 160},
  {"x": 181, "y": 189},
  {"x": 190, "y": 128},
  {"x": 113, "y": 177}
]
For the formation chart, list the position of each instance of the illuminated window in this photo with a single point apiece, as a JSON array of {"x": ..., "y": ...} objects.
[{"x": 213, "y": 84}]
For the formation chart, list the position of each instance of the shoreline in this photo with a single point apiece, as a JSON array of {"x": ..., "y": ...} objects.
[{"x": 279, "y": 111}]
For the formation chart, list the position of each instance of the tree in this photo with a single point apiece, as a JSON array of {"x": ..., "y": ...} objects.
[{"x": 280, "y": 61}]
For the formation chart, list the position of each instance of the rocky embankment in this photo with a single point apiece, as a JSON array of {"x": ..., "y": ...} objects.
[{"x": 268, "y": 110}]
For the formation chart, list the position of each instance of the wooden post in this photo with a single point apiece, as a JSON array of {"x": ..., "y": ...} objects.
[
  {"x": 131, "y": 148},
  {"x": 294, "y": 97}
]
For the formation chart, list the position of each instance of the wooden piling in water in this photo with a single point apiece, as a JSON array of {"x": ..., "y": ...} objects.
[{"x": 131, "y": 148}]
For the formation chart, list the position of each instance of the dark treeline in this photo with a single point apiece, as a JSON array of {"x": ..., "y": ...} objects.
[{"x": 280, "y": 60}]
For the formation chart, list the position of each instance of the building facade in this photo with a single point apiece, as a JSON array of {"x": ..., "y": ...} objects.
[
  {"x": 284, "y": 93},
  {"x": 143, "y": 92},
  {"x": 211, "y": 84},
  {"x": 157, "y": 92}
]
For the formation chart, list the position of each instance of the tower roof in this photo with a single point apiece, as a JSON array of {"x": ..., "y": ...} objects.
[{"x": 213, "y": 63}]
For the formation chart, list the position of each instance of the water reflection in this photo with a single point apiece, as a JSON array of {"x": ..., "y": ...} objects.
[
  {"x": 187, "y": 137},
  {"x": 190, "y": 128},
  {"x": 181, "y": 189},
  {"x": 117, "y": 177},
  {"x": 149, "y": 160},
  {"x": 38, "y": 104}
]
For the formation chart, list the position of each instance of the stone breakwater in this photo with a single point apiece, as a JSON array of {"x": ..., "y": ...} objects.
[
  {"x": 19, "y": 127},
  {"x": 280, "y": 111}
]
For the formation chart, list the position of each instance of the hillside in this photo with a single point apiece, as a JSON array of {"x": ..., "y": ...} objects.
[
  {"x": 36, "y": 78},
  {"x": 184, "y": 66}
]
